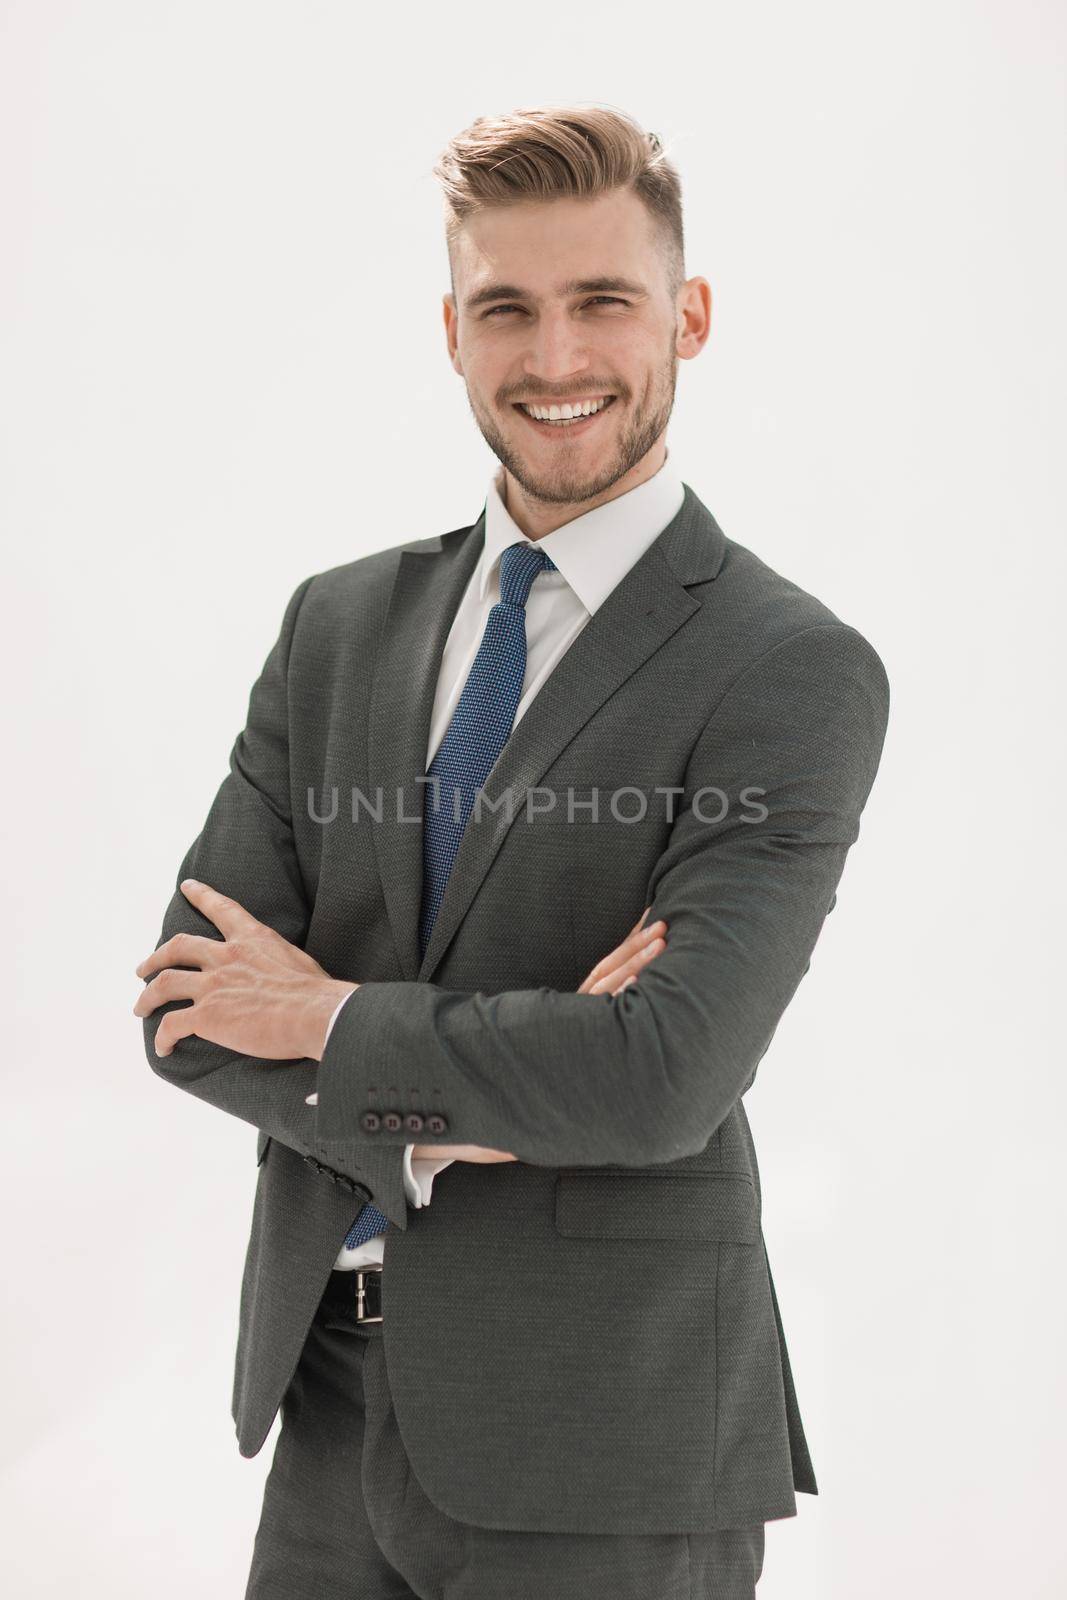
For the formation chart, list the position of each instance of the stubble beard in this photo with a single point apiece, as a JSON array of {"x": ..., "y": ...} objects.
[{"x": 569, "y": 484}]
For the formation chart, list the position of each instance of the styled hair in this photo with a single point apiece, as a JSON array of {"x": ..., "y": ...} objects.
[{"x": 544, "y": 153}]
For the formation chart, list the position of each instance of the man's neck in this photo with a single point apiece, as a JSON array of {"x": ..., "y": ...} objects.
[{"x": 535, "y": 517}]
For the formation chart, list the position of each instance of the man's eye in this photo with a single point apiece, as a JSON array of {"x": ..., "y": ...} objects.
[{"x": 606, "y": 299}]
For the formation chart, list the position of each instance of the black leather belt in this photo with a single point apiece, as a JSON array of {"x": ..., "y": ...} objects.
[{"x": 356, "y": 1295}]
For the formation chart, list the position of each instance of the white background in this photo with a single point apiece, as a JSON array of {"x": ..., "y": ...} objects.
[{"x": 222, "y": 369}]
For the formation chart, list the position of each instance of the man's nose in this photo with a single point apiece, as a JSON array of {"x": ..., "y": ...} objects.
[{"x": 558, "y": 350}]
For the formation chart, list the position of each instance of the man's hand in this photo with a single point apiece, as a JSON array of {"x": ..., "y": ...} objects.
[
  {"x": 611, "y": 975},
  {"x": 252, "y": 991},
  {"x": 614, "y": 972},
  {"x": 478, "y": 1153}
]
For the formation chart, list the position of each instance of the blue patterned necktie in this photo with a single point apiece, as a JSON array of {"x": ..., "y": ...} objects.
[{"x": 480, "y": 727}]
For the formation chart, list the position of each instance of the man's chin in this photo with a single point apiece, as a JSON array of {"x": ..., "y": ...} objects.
[
  {"x": 559, "y": 490},
  {"x": 562, "y": 486}
]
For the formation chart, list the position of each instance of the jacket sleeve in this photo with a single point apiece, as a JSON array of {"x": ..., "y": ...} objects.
[
  {"x": 246, "y": 849},
  {"x": 647, "y": 1075},
  {"x": 418, "y": 1175}
]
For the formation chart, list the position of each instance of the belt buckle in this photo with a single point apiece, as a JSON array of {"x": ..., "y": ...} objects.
[{"x": 361, "y": 1292}]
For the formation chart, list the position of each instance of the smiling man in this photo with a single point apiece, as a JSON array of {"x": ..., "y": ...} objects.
[
  {"x": 507, "y": 1281},
  {"x": 571, "y": 374}
]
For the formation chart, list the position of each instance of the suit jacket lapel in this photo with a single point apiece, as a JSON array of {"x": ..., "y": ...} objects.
[
  {"x": 429, "y": 585},
  {"x": 638, "y": 617}
]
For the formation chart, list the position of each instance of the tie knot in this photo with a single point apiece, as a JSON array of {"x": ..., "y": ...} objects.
[{"x": 519, "y": 566}]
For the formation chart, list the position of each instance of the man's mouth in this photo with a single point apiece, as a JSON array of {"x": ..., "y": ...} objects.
[{"x": 577, "y": 417}]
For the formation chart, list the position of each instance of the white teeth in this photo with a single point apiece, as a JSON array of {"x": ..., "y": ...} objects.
[{"x": 564, "y": 415}]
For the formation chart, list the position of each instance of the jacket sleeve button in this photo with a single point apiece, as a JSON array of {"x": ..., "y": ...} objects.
[
  {"x": 413, "y": 1122},
  {"x": 392, "y": 1121},
  {"x": 437, "y": 1124},
  {"x": 370, "y": 1122}
]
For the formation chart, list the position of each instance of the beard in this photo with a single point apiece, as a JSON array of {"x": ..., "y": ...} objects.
[{"x": 568, "y": 482}]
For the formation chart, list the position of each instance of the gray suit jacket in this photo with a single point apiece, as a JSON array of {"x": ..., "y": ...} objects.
[{"x": 586, "y": 1339}]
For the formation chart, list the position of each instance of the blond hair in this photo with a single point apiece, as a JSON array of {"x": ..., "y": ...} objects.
[{"x": 548, "y": 154}]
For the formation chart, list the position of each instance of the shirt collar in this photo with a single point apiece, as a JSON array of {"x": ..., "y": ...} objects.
[{"x": 596, "y": 550}]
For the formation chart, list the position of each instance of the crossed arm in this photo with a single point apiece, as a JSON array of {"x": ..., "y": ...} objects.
[
  {"x": 254, "y": 992},
  {"x": 663, "y": 1061},
  {"x": 646, "y": 1077}
]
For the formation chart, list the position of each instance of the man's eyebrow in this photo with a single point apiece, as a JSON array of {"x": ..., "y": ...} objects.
[{"x": 509, "y": 291}]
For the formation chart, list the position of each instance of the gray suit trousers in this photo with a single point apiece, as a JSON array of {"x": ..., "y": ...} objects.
[{"x": 344, "y": 1517}]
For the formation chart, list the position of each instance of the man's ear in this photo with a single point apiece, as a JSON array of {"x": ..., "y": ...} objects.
[
  {"x": 451, "y": 319},
  {"x": 694, "y": 317}
]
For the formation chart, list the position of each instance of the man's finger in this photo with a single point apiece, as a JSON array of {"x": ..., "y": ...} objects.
[
  {"x": 611, "y": 963},
  {"x": 182, "y": 950},
  {"x": 652, "y": 949},
  {"x": 174, "y": 983},
  {"x": 628, "y": 958},
  {"x": 230, "y": 918},
  {"x": 175, "y": 1025}
]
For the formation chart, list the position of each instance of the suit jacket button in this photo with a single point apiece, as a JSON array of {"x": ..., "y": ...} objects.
[
  {"x": 437, "y": 1124},
  {"x": 392, "y": 1121},
  {"x": 413, "y": 1122},
  {"x": 370, "y": 1122}
]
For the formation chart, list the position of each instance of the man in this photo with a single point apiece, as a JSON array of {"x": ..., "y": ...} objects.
[{"x": 506, "y": 1279}]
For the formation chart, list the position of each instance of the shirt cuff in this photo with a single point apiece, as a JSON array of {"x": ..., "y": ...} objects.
[
  {"x": 313, "y": 1099},
  {"x": 411, "y": 1185},
  {"x": 419, "y": 1176}
]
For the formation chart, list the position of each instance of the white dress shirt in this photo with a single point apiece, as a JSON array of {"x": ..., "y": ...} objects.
[{"x": 592, "y": 553}]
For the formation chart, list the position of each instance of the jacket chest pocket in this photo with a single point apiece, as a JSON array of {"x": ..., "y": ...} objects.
[{"x": 719, "y": 1206}]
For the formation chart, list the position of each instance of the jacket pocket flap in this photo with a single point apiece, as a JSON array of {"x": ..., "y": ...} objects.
[{"x": 646, "y": 1206}]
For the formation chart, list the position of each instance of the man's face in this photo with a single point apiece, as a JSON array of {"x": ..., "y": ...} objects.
[{"x": 567, "y": 302}]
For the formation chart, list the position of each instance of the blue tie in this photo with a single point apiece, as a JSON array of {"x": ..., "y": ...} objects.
[{"x": 480, "y": 728}]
